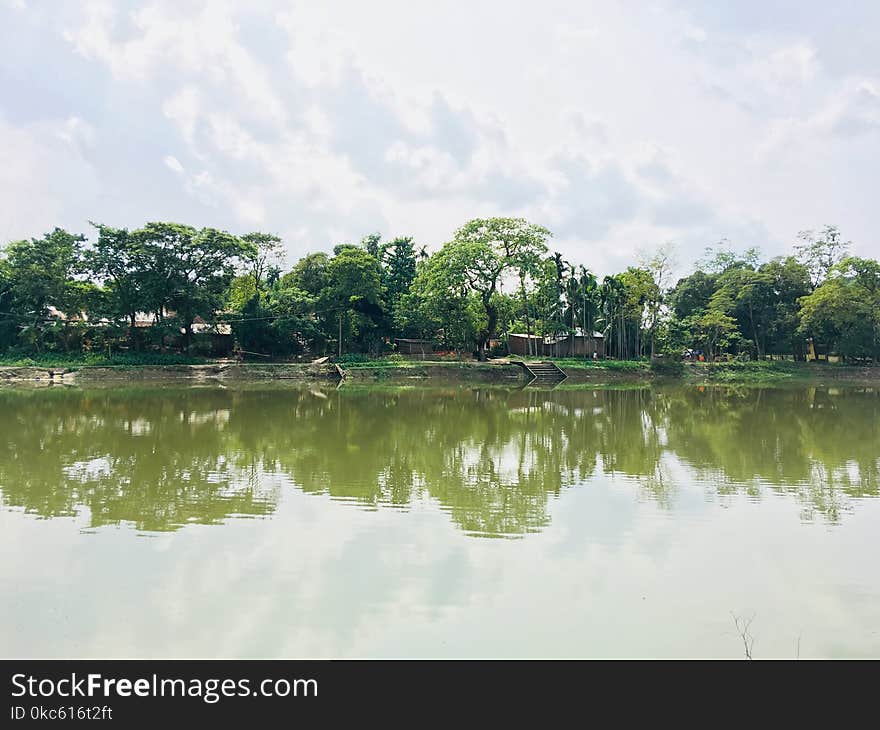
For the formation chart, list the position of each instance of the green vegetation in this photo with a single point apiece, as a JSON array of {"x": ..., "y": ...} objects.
[
  {"x": 96, "y": 359},
  {"x": 173, "y": 291},
  {"x": 576, "y": 363}
]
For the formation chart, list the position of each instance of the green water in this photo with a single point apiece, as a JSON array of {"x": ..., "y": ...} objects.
[{"x": 306, "y": 522}]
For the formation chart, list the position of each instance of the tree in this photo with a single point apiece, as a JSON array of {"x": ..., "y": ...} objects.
[
  {"x": 7, "y": 318},
  {"x": 692, "y": 294},
  {"x": 398, "y": 258},
  {"x": 764, "y": 303},
  {"x": 820, "y": 252},
  {"x": 354, "y": 292},
  {"x": 660, "y": 265},
  {"x": 612, "y": 297},
  {"x": 719, "y": 258},
  {"x": 588, "y": 288},
  {"x": 41, "y": 273},
  {"x": 113, "y": 260},
  {"x": 844, "y": 311},
  {"x": 309, "y": 274},
  {"x": 716, "y": 331},
  {"x": 263, "y": 257},
  {"x": 185, "y": 270},
  {"x": 281, "y": 323},
  {"x": 474, "y": 263},
  {"x": 746, "y": 295},
  {"x": 642, "y": 297},
  {"x": 790, "y": 281}
]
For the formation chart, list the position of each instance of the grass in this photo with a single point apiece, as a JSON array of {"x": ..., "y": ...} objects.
[
  {"x": 757, "y": 372},
  {"x": 79, "y": 360},
  {"x": 577, "y": 363},
  {"x": 766, "y": 371},
  {"x": 398, "y": 362}
]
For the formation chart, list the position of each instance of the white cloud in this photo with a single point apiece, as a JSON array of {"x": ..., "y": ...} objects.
[
  {"x": 619, "y": 126},
  {"x": 183, "y": 109},
  {"x": 173, "y": 164}
]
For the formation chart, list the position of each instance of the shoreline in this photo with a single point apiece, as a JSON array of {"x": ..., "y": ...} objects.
[{"x": 408, "y": 372}]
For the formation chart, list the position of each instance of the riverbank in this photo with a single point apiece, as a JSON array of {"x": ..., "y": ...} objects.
[{"x": 399, "y": 370}]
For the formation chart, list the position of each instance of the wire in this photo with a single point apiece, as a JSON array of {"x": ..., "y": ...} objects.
[{"x": 25, "y": 318}]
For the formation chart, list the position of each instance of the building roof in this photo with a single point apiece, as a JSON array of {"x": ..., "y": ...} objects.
[{"x": 549, "y": 338}]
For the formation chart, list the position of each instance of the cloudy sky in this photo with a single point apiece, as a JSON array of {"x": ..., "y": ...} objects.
[{"x": 619, "y": 126}]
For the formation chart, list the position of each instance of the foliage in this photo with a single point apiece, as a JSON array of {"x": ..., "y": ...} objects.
[
  {"x": 843, "y": 313},
  {"x": 96, "y": 359},
  {"x": 463, "y": 279},
  {"x": 667, "y": 367},
  {"x": 144, "y": 290}
]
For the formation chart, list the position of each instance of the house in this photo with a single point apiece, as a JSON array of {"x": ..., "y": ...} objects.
[
  {"x": 407, "y": 346},
  {"x": 579, "y": 345}
]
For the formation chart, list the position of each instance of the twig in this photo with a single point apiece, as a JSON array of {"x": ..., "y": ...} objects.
[{"x": 743, "y": 628}]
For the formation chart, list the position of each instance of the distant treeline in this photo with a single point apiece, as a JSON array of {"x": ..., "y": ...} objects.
[{"x": 168, "y": 286}]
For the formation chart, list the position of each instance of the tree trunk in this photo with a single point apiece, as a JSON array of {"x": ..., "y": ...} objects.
[
  {"x": 528, "y": 321},
  {"x": 339, "y": 343}
]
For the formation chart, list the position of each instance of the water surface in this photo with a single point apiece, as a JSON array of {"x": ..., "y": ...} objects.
[{"x": 303, "y": 522}]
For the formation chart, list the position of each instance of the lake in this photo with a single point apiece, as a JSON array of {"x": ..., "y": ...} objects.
[{"x": 293, "y": 521}]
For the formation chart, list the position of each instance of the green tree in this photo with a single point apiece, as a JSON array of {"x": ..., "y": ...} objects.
[
  {"x": 114, "y": 261},
  {"x": 659, "y": 265},
  {"x": 790, "y": 281},
  {"x": 843, "y": 313},
  {"x": 820, "y": 252},
  {"x": 262, "y": 258},
  {"x": 473, "y": 265},
  {"x": 354, "y": 293},
  {"x": 41, "y": 273},
  {"x": 398, "y": 258},
  {"x": 186, "y": 271},
  {"x": 715, "y": 331},
  {"x": 309, "y": 274},
  {"x": 692, "y": 294},
  {"x": 612, "y": 297}
]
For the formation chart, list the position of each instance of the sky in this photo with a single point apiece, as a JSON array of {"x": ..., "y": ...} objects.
[{"x": 619, "y": 126}]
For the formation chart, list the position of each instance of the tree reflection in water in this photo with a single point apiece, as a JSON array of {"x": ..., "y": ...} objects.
[{"x": 160, "y": 458}]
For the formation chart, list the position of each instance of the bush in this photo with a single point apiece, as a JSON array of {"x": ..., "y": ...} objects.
[
  {"x": 95, "y": 359},
  {"x": 350, "y": 358},
  {"x": 667, "y": 367}
]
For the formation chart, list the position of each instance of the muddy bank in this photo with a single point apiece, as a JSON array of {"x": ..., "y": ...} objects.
[
  {"x": 224, "y": 371},
  {"x": 396, "y": 373},
  {"x": 440, "y": 372},
  {"x": 471, "y": 372}
]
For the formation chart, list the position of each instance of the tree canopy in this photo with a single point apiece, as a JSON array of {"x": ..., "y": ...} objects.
[{"x": 151, "y": 286}]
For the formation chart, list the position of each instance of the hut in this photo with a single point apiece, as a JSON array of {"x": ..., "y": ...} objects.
[
  {"x": 407, "y": 346},
  {"x": 579, "y": 345}
]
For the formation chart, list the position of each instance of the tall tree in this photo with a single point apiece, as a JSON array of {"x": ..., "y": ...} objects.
[
  {"x": 114, "y": 260},
  {"x": 843, "y": 313},
  {"x": 354, "y": 293},
  {"x": 660, "y": 264},
  {"x": 398, "y": 258},
  {"x": 263, "y": 258},
  {"x": 481, "y": 254},
  {"x": 186, "y": 270},
  {"x": 309, "y": 274},
  {"x": 819, "y": 252},
  {"x": 41, "y": 273}
]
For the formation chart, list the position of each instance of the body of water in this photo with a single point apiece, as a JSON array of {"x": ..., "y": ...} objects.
[{"x": 174, "y": 521}]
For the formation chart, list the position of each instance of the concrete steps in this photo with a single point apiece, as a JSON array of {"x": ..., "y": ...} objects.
[{"x": 544, "y": 373}]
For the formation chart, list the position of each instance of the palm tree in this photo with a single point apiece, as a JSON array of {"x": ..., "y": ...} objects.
[
  {"x": 613, "y": 297},
  {"x": 572, "y": 297},
  {"x": 589, "y": 299},
  {"x": 557, "y": 314}
]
